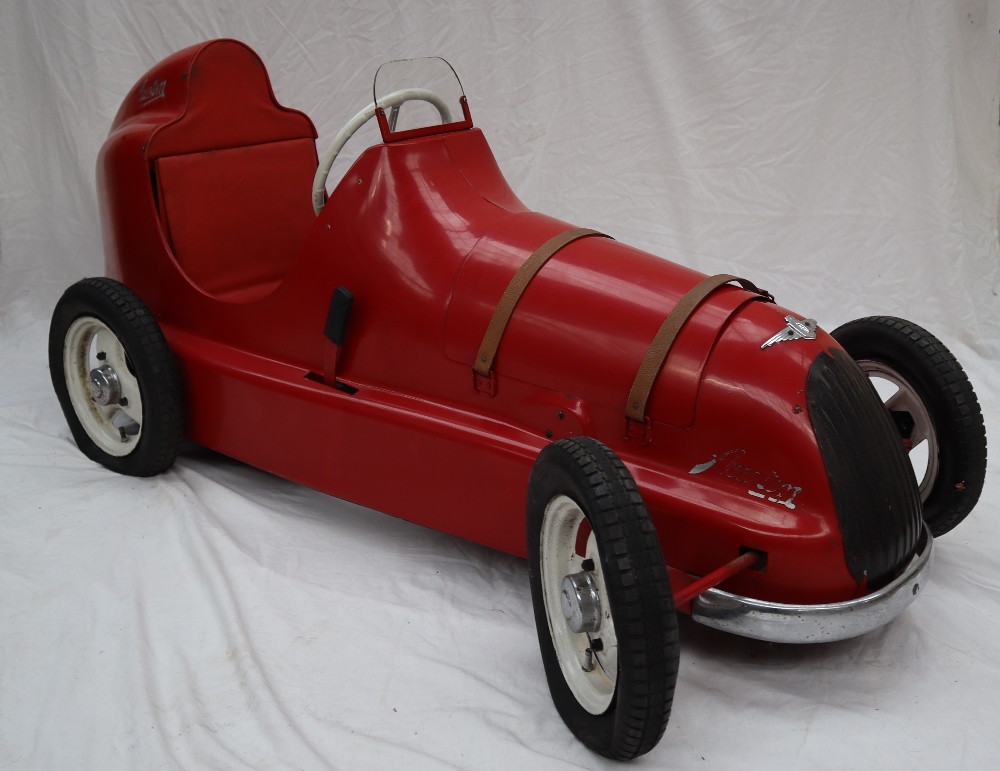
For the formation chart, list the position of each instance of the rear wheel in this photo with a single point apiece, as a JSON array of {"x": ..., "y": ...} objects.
[
  {"x": 603, "y": 604},
  {"x": 115, "y": 378},
  {"x": 934, "y": 407}
]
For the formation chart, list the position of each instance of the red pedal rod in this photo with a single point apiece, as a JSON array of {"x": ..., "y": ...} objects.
[{"x": 716, "y": 577}]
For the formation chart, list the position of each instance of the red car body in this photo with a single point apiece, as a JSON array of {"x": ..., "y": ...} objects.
[{"x": 204, "y": 186}]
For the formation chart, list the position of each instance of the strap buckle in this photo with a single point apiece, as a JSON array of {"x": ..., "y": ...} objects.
[
  {"x": 484, "y": 384},
  {"x": 643, "y": 429}
]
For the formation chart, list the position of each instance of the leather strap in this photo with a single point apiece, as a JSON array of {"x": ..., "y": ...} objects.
[
  {"x": 512, "y": 294},
  {"x": 635, "y": 408}
]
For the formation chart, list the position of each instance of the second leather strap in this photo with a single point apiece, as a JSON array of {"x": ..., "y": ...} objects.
[{"x": 635, "y": 408}]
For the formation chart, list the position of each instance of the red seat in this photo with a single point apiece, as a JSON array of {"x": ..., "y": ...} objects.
[{"x": 234, "y": 177}]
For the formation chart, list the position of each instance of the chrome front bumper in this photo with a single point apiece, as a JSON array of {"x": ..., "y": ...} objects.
[{"x": 777, "y": 622}]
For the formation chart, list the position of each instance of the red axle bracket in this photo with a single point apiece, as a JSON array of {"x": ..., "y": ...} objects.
[{"x": 716, "y": 577}]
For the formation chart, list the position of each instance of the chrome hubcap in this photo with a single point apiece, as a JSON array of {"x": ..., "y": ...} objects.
[
  {"x": 581, "y": 604},
  {"x": 104, "y": 386}
]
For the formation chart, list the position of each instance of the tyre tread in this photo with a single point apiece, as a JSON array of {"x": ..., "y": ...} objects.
[{"x": 643, "y": 610}]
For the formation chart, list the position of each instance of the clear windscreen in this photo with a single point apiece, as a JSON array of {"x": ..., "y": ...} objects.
[{"x": 416, "y": 93}]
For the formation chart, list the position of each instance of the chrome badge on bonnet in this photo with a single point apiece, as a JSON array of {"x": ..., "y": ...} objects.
[{"x": 796, "y": 330}]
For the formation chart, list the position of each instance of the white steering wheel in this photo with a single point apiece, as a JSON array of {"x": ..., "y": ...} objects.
[{"x": 393, "y": 100}]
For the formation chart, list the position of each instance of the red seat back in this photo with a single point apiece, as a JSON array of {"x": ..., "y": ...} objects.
[{"x": 234, "y": 176}]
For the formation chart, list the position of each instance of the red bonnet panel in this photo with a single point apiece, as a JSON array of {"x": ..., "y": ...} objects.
[{"x": 587, "y": 318}]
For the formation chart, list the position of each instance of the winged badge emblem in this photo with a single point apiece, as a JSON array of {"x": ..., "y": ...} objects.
[{"x": 804, "y": 329}]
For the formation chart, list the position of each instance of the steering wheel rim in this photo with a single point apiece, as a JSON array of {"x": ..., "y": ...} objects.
[{"x": 394, "y": 99}]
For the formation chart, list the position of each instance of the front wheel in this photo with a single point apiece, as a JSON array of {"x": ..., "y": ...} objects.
[
  {"x": 603, "y": 605},
  {"x": 934, "y": 408}
]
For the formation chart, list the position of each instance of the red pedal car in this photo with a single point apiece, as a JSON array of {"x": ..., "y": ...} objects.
[{"x": 653, "y": 440}]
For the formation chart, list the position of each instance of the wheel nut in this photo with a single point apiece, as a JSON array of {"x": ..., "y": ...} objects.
[{"x": 104, "y": 386}]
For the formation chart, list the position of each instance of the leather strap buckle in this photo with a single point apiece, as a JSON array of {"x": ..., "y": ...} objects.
[
  {"x": 640, "y": 429},
  {"x": 485, "y": 384}
]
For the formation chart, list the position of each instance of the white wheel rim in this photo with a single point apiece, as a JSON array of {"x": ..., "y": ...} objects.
[
  {"x": 115, "y": 428},
  {"x": 595, "y": 689},
  {"x": 905, "y": 398}
]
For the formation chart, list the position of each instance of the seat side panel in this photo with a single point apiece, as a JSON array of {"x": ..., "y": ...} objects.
[{"x": 236, "y": 218}]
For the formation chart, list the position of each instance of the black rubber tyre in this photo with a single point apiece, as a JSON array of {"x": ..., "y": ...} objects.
[
  {"x": 639, "y": 595},
  {"x": 151, "y": 362},
  {"x": 946, "y": 393}
]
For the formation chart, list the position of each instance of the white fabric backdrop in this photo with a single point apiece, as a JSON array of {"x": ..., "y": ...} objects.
[{"x": 843, "y": 154}]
